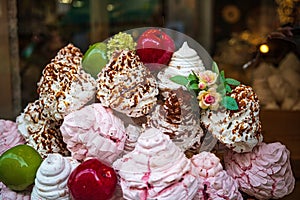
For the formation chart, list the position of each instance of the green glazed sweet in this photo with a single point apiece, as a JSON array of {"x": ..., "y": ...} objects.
[
  {"x": 95, "y": 59},
  {"x": 18, "y": 167}
]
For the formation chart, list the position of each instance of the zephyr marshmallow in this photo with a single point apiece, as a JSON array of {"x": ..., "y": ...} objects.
[
  {"x": 183, "y": 62},
  {"x": 156, "y": 169}
]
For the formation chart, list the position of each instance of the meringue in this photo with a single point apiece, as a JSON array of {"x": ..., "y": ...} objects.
[
  {"x": 264, "y": 173},
  {"x": 183, "y": 62},
  {"x": 239, "y": 130},
  {"x": 94, "y": 131},
  {"x": 156, "y": 169},
  {"x": 178, "y": 118},
  {"x": 51, "y": 178},
  {"x": 39, "y": 131},
  {"x": 215, "y": 183},
  {"x": 127, "y": 86},
  {"x": 9, "y": 135},
  {"x": 64, "y": 86}
]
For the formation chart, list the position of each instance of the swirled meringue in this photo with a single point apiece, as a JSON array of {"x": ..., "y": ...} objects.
[
  {"x": 156, "y": 169},
  {"x": 183, "y": 62},
  {"x": 94, "y": 131},
  {"x": 207, "y": 164},
  {"x": 39, "y": 131},
  {"x": 8, "y": 194},
  {"x": 215, "y": 183},
  {"x": 264, "y": 173},
  {"x": 239, "y": 130},
  {"x": 178, "y": 118},
  {"x": 51, "y": 178},
  {"x": 9, "y": 135},
  {"x": 127, "y": 86},
  {"x": 64, "y": 86}
]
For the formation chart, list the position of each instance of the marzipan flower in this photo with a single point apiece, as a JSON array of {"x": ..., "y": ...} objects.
[
  {"x": 209, "y": 99},
  {"x": 211, "y": 87},
  {"x": 208, "y": 77}
]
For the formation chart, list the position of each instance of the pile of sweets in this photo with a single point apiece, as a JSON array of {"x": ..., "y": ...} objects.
[{"x": 138, "y": 118}]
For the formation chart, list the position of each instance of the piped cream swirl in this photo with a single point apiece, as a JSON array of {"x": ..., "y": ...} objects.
[{"x": 51, "y": 178}]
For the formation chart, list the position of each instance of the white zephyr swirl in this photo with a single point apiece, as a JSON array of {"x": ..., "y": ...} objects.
[{"x": 51, "y": 178}]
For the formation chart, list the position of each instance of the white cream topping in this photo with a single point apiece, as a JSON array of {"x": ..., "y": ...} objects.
[
  {"x": 51, "y": 178},
  {"x": 183, "y": 62}
]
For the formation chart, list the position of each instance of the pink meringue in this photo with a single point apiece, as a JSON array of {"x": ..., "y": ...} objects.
[
  {"x": 156, "y": 169},
  {"x": 9, "y": 135},
  {"x": 215, "y": 183},
  {"x": 8, "y": 194},
  {"x": 264, "y": 173},
  {"x": 207, "y": 164},
  {"x": 94, "y": 131}
]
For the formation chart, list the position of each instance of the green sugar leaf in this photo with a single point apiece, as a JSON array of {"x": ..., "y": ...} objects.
[
  {"x": 228, "y": 88},
  {"x": 181, "y": 80},
  {"x": 222, "y": 77},
  {"x": 194, "y": 86},
  {"x": 192, "y": 77},
  {"x": 215, "y": 67},
  {"x": 221, "y": 89},
  {"x": 230, "y": 103},
  {"x": 232, "y": 81}
]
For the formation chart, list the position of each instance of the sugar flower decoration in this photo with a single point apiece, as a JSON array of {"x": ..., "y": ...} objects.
[
  {"x": 209, "y": 99},
  {"x": 211, "y": 88}
]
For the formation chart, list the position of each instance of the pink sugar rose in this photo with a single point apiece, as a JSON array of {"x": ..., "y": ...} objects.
[{"x": 209, "y": 99}]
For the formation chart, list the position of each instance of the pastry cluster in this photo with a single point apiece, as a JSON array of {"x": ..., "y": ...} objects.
[{"x": 139, "y": 118}]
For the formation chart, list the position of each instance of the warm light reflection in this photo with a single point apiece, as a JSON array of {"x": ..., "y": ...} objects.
[
  {"x": 110, "y": 7},
  {"x": 65, "y": 1},
  {"x": 264, "y": 48}
]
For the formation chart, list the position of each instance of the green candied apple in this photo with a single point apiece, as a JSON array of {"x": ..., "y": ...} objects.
[
  {"x": 18, "y": 166},
  {"x": 95, "y": 59}
]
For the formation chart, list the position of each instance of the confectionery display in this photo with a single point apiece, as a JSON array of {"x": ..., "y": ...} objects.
[{"x": 140, "y": 115}]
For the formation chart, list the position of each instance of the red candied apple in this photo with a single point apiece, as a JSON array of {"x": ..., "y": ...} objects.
[
  {"x": 92, "y": 180},
  {"x": 155, "y": 48}
]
